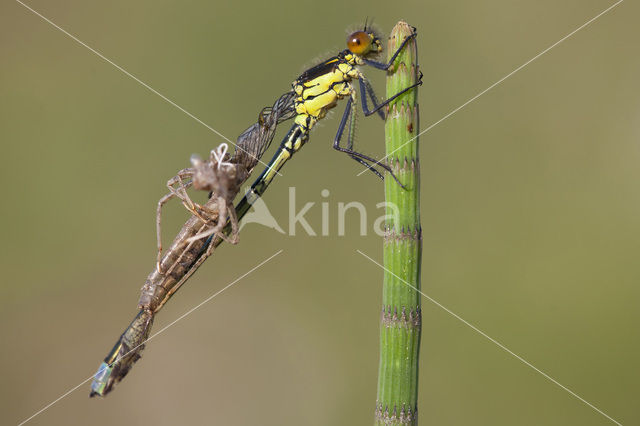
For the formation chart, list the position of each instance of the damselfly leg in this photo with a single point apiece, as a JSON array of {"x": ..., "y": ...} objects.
[{"x": 349, "y": 116}]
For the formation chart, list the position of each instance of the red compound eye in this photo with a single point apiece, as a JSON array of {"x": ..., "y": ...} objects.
[{"x": 359, "y": 42}]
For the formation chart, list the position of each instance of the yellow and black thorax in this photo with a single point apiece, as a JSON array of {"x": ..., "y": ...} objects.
[{"x": 319, "y": 88}]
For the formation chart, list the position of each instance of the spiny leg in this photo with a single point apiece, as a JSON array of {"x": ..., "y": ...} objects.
[
  {"x": 359, "y": 157},
  {"x": 370, "y": 167},
  {"x": 366, "y": 88},
  {"x": 228, "y": 212},
  {"x": 225, "y": 211},
  {"x": 180, "y": 192},
  {"x": 350, "y": 115},
  {"x": 214, "y": 229},
  {"x": 351, "y": 136},
  {"x": 235, "y": 227},
  {"x": 161, "y": 203}
]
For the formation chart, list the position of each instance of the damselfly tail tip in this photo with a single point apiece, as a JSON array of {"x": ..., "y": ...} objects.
[
  {"x": 102, "y": 381},
  {"x": 94, "y": 393},
  {"x": 124, "y": 354}
]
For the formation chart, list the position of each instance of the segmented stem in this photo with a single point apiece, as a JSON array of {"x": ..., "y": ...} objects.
[{"x": 401, "y": 315}]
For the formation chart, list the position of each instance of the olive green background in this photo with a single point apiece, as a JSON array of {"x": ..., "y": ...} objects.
[{"x": 530, "y": 197}]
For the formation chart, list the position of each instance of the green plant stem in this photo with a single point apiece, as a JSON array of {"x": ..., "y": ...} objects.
[{"x": 401, "y": 315}]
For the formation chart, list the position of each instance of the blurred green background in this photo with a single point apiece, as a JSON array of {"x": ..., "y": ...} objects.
[{"x": 530, "y": 215}]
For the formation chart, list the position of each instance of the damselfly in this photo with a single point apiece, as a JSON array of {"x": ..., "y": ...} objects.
[{"x": 315, "y": 92}]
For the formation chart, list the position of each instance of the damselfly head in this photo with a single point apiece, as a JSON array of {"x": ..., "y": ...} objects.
[{"x": 362, "y": 43}]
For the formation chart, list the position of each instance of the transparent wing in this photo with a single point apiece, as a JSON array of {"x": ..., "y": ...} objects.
[{"x": 254, "y": 141}]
